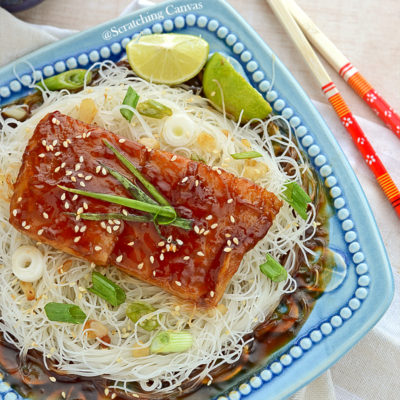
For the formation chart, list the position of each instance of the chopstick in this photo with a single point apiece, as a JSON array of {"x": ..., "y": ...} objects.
[
  {"x": 338, "y": 103},
  {"x": 344, "y": 68}
]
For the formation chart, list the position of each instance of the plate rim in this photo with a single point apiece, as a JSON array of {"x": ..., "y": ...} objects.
[{"x": 258, "y": 391}]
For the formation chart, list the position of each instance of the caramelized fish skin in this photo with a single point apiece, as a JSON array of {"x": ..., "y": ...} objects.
[{"x": 230, "y": 214}]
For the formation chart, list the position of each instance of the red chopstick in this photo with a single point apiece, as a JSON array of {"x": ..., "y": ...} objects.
[{"x": 336, "y": 100}]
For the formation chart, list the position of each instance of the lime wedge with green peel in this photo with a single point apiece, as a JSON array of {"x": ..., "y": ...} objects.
[
  {"x": 168, "y": 58},
  {"x": 223, "y": 84}
]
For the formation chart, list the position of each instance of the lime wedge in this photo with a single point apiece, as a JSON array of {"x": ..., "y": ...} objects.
[
  {"x": 222, "y": 83},
  {"x": 168, "y": 58}
]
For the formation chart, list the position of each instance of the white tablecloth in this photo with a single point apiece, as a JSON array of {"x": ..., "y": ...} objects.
[{"x": 370, "y": 371}]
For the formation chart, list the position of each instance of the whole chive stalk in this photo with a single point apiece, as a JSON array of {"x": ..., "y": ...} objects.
[
  {"x": 163, "y": 211},
  {"x": 183, "y": 223},
  {"x": 297, "y": 198},
  {"x": 273, "y": 270},
  {"x": 151, "y": 189},
  {"x": 171, "y": 342},
  {"x": 246, "y": 155},
  {"x": 139, "y": 309},
  {"x": 107, "y": 289},
  {"x": 70, "y": 80},
  {"x": 131, "y": 99},
  {"x": 154, "y": 109},
  {"x": 62, "y": 312},
  {"x": 133, "y": 189}
]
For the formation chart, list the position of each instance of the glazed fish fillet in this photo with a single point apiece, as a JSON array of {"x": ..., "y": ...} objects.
[{"x": 230, "y": 214}]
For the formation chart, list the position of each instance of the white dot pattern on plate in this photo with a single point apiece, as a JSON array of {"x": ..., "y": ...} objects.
[{"x": 258, "y": 77}]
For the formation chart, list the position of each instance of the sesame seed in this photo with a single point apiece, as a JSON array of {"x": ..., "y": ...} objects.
[
  {"x": 206, "y": 232},
  {"x": 98, "y": 169},
  {"x": 80, "y": 210},
  {"x": 227, "y": 249},
  {"x": 186, "y": 258},
  {"x": 88, "y": 177},
  {"x": 15, "y": 212},
  {"x": 45, "y": 215},
  {"x": 229, "y": 243},
  {"x": 80, "y": 175},
  {"x": 51, "y": 378},
  {"x": 73, "y": 179},
  {"x": 114, "y": 395},
  {"x": 77, "y": 217},
  {"x": 77, "y": 239},
  {"x": 104, "y": 171},
  {"x": 44, "y": 143},
  {"x": 232, "y": 219},
  {"x": 42, "y": 155},
  {"x": 119, "y": 258},
  {"x": 209, "y": 217},
  {"x": 131, "y": 243},
  {"x": 152, "y": 259},
  {"x": 196, "y": 183},
  {"x": 27, "y": 227},
  {"x": 140, "y": 266},
  {"x": 178, "y": 283},
  {"x": 97, "y": 248},
  {"x": 103, "y": 225},
  {"x": 201, "y": 231},
  {"x": 109, "y": 229},
  {"x": 55, "y": 141},
  {"x": 19, "y": 199},
  {"x": 154, "y": 273},
  {"x": 162, "y": 257},
  {"x": 196, "y": 229},
  {"x": 40, "y": 232},
  {"x": 79, "y": 137},
  {"x": 83, "y": 229},
  {"x": 116, "y": 227},
  {"x": 212, "y": 294},
  {"x": 57, "y": 153},
  {"x": 48, "y": 147},
  {"x": 68, "y": 173},
  {"x": 122, "y": 140},
  {"x": 213, "y": 226},
  {"x": 235, "y": 240},
  {"x": 88, "y": 134},
  {"x": 106, "y": 391},
  {"x": 84, "y": 135},
  {"x": 117, "y": 222},
  {"x": 185, "y": 179},
  {"x": 63, "y": 197},
  {"x": 169, "y": 239},
  {"x": 63, "y": 395},
  {"x": 75, "y": 197},
  {"x": 219, "y": 172},
  {"x": 124, "y": 212},
  {"x": 23, "y": 223},
  {"x": 228, "y": 235},
  {"x": 174, "y": 157},
  {"x": 200, "y": 254},
  {"x": 65, "y": 143},
  {"x": 85, "y": 205},
  {"x": 230, "y": 201},
  {"x": 77, "y": 167},
  {"x": 179, "y": 241},
  {"x": 81, "y": 159}
]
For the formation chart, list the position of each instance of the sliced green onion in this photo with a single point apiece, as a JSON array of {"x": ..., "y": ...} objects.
[
  {"x": 131, "y": 99},
  {"x": 183, "y": 223},
  {"x": 171, "y": 342},
  {"x": 107, "y": 290},
  {"x": 71, "y": 80},
  {"x": 273, "y": 270},
  {"x": 154, "y": 109},
  {"x": 196, "y": 157},
  {"x": 137, "y": 310},
  {"x": 62, "y": 312},
  {"x": 297, "y": 198},
  {"x": 133, "y": 189},
  {"x": 152, "y": 190},
  {"x": 163, "y": 211},
  {"x": 246, "y": 155}
]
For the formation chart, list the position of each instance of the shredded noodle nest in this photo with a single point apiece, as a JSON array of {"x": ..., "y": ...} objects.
[{"x": 217, "y": 334}]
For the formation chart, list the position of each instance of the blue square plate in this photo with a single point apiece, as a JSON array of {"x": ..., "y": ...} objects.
[{"x": 341, "y": 317}]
